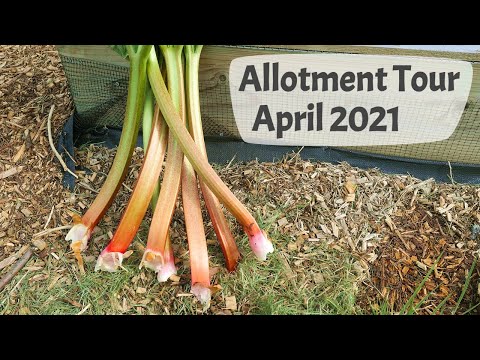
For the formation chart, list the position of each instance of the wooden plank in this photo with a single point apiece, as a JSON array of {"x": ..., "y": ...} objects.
[
  {"x": 469, "y": 49},
  {"x": 215, "y": 60},
  {"x": 379, "y": 50}
]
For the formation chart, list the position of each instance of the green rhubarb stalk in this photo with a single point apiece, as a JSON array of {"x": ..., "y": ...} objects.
[
  {"x": 112, "y": 256},
  {"x": 148, "y": 114},
  {"x": 155, "y": 256},
  {"x": 220, "y": 224},
  {"x": 258, "y": 240},
  {"x": 147, "y": 119},
  {"x": 80, "y": 233}
]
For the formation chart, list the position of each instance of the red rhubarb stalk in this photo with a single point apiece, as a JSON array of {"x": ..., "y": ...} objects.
[
  {"x": 259, "y": 242},
  {"x": 220, "y": 225},
  {"x": 80, "y": 233},
  {"x": 111, "y": 257},
  {"x": 155, "y": 256}
]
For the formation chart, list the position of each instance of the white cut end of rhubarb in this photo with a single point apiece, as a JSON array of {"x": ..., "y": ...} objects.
[
  {"x": 202, "y": 293},
  {"x": 78, "y": 234},
  {"x": 153, "y": 260},
  {"x": 109, "y": 261},
  {"x": 261, "y": 245},
  {"x": 166, "y": 271}
]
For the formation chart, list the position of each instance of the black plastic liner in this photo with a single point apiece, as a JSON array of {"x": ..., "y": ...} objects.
[{"x": 222, "y": 151}]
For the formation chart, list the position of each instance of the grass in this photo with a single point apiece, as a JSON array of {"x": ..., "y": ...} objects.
[
  {"x": 103, "y": 293},
  {"x": 276, "y": 286},
  {"x": 269, "y": 289}
]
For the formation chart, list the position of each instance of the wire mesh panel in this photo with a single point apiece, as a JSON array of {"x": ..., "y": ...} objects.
[
  {"x": 99, "y": 91},
  {"x": 462, "y": 147}
]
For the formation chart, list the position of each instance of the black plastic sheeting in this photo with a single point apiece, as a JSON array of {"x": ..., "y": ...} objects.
[
  {"x": 222, "y": 151},
  {"x": 462, "y": 173}
]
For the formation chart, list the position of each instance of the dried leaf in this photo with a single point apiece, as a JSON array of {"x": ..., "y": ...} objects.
[
  {"x": 231, "y": 303},
  {"x": 39, "y": 244},
  {"x": 10, "y": 172},
  {"x": 26, "y": 212},
  {"x": 421, "y": 265},
  {"x": 174, "y": 278},
  {"x": 292, "y": 246},
  {"x": 390, "y": 223},
  {"x": 318, "y": 278},
  {"x": 350, "y": 198},
  {"x": 215, "y": 288},
  {"x": 127, "y": 254},
  {"x": 335, "y": 229},
  {"x": 19, "y": 153},
  {"x": 325, "y": 229}
]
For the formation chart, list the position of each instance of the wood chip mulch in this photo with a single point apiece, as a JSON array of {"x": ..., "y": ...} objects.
[
  {"x": 396, "y": 226},
  {"x": 31, "y": 80},
  {"x": 431, "y": 226}
]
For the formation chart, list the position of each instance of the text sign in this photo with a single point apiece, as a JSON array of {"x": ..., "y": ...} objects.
[{"x": 347, "y": 100}]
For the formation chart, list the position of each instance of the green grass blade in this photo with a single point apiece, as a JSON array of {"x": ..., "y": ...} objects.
[
  {"x": 407, "y": 307},
  {"x": 414, "y": 309},
  {"x": 465, "y": 286},
  {"x": 470, "y": 309},
  {"x": 442, "y": 304}
]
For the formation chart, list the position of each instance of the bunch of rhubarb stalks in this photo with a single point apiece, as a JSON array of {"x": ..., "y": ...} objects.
[{"x": 163, "y": 94}]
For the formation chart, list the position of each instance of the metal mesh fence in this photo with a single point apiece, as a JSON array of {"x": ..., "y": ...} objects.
[{"x": 99, "y": 91}]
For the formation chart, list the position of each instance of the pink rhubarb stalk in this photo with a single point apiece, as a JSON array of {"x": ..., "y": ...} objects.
[
  {"x": 111, "y": 257},
  {"x": 220, "y": 225},
  {"x": 259, "y": 242},
  {"x": 197, "y": 243},
  {"x": 163, "y": 265},
  {"x": 155, "y": 256},
  {"x": 80, "y": 233}
]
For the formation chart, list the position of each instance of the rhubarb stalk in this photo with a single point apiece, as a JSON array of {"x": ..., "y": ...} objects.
[
  {"x": 147, "y": 122},
  {"x": 80, "y": 233},
  {"x": 259, "y": 242},
  {"x": 111, "y": 257},
  {"x": 156, "y": 256},
  {"x": 220, "y": 225},
  {"x": 197, "y": 242},
  {"x": 147, "y": 118}
]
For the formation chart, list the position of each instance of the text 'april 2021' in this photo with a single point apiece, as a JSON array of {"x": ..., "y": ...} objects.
[
  {"x": 357, "y": 119},
  {"x": 347, "y": 100}
]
